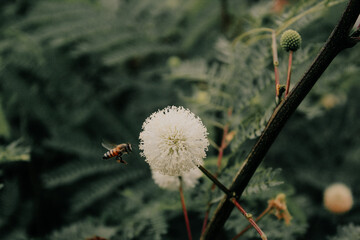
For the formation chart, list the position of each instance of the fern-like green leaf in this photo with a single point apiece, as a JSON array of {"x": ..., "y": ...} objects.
[{"x": 349, "y": 232}]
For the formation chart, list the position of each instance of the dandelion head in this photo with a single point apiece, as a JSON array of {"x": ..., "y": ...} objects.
[
  {"x": 173, "y": 141},
  {"x": 189, "y": 179}
]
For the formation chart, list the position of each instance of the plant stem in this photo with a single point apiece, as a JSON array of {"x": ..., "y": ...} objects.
[
  {"x": 249, "y": 218},
  {"x": 266, "y": 211},
  {"x": 216, "y": 182},
  {"x": 184, "y": 210},
  {"x": 249, "y": 33},
  {"x": 233, "y": 199},
  {"x": 337, "y": 42},
  {"x": 221, "y": 149},
  {"x": 206, "y": 218},
  {"x": 288, "y": 74},
  {"x": 275, "y": 62},
  {"x": 225, "y": 18}
]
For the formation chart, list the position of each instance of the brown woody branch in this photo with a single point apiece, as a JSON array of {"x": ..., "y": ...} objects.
[{"x": 337, "y": 41}]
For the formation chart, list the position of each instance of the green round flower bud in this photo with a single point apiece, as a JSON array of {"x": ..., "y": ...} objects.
[{"x": 290, "y": 40}]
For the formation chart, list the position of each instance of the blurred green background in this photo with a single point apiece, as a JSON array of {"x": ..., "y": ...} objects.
[{"x": 76, "y": 72}]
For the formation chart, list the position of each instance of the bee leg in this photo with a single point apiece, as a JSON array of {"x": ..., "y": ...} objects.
[
  {"x": 123, "y": 161},
  {"x": 120, "y": 160}
]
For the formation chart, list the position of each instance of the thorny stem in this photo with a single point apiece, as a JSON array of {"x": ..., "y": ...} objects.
[
  {"x": 184, "y": 210},
  {"x": 249, "y": 218},
  {"x": 337, "y": 42},
  {"x": 266, "y": 211},
  {"x": 275, "y": 62},
  {"x": 288, "y": 74}
]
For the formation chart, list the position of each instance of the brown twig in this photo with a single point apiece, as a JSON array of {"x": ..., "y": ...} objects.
[
  {"x": 338, "y": 41},
  {"x": 249, "y": 218},
  {"x": 266, "y": 211}
]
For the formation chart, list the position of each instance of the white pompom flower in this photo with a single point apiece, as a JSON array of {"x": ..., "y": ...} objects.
[
  {"x": 173, "y": 141},
  {"x": 189, "y": 179}
]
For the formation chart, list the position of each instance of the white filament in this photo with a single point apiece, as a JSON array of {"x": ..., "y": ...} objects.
[{"x": 173, "y": 141}]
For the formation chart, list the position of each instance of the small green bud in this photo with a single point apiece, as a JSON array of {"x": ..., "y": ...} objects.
[
  {"x": 174, "y": 61},
  {"x": 290, "y": 40}
]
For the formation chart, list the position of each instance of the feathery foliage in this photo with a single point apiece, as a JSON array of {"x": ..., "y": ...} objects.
[{"x": 347, "y": 232}]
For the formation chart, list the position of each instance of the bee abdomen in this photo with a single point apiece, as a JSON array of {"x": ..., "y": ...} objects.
[{"x": 110, "y": 154}]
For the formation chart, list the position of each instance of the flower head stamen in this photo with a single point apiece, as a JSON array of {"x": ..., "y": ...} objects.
[{"x": 173, "y": 141}]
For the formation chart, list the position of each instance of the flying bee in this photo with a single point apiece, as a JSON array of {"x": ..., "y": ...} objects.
[{"x": 117, "y": 151}]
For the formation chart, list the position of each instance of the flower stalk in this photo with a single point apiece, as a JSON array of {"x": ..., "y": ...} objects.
[
  {"x": 206, "y": 218},
  {"x": 276, "y": 63},
  {"x": 290, "y": 41},
  {"x": 289, "y": 73},
  {"x": 216, "y": 182},
  {"x": 188, "y": 229},
  {"x": 221, "y": 151}
]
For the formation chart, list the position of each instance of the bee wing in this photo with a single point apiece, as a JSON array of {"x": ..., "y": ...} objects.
[{"x": 108, "y": 146}]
